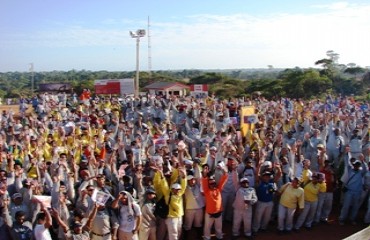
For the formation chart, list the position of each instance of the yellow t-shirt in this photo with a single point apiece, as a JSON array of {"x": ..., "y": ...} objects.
[
  {"x": 311, "y": 191},
  {"x": 292, "y": 196}
]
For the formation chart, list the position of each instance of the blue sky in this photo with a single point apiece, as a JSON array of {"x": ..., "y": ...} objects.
[{"x": 189, "y": 34}]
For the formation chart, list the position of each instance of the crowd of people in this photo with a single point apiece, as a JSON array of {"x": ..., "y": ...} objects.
[{"x": 102, "y": 168}]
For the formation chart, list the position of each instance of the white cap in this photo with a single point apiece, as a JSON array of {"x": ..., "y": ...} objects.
[
  {"x": 320, "y": 145},
  {"x": 189, "y": 177},
  {"x": 188, "y": 162},
  {"x": 176, "y": 186},
  {"x": 357, "y": 161},
  {"x": 267, "y": 163},
  {"x": 244, "y": 179}
]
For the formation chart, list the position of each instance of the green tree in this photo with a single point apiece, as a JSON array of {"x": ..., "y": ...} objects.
[{"x": 208, "y": 78}]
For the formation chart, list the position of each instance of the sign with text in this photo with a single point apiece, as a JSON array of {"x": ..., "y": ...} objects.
[
  {"x": 115, "y": 86},
  {"x": 199, "y": 90},
  {"x": 247, "y": 119}
]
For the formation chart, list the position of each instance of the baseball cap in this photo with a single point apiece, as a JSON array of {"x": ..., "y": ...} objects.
[
  {"x": 357, "y": 162},
  {"x": 244, "y": 179},
  {"x": 188, "y": 162},
  {"x": 16, "y": 195},
  {"x": 213, "y": 148},
  {"x": 26, "y": 182},
  {"x": 84, "y": 158},
  {"x": 266, "y": 173},
  {"x": 267, "y": 164},
  {"x": 76, "y": 224},
  {"x": 189, "y": 177},
  {"x": 321, "y": 176},
  {"x": 320, "y": 145},
  {"x": 176, "y": 186},
  {"x": 150, "y": 190}
]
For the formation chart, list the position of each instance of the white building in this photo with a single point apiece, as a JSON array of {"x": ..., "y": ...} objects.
[{"x": 167, "y": 89}]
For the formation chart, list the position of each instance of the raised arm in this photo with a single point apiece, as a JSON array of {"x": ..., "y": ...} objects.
[
  {"x": 61, "y": 223},
  {"x": 91, "y": 218},
  {"x": 48, "y": 220}
]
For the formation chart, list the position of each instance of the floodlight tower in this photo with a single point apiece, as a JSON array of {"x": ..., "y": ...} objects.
[
  {"x": 32, "y": 78},
  {"x": 138, "y": 34}
]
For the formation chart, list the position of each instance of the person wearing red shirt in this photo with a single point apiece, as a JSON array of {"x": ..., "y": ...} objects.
[{"x": 325, "y": 201}]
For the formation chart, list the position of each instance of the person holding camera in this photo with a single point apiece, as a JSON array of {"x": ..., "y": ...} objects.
[{"x": 265, "y": 193}]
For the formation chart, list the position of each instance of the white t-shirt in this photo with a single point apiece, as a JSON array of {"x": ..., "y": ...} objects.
[
  {"x": 127, "y": 220},
  {"x": 41, "y": 233}
]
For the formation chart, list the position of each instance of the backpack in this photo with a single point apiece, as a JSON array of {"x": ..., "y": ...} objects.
[{"x": 162, "y": 208}]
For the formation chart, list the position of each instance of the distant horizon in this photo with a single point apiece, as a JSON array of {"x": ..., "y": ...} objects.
[
  {"x": 208, "y": 34},
  {"x": 172, "y": 70}
]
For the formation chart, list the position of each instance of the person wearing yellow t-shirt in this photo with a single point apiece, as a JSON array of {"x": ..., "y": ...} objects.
[
  {"x": 311, "y": 193},
  {"x": 291, "y": 196},
  {"x": 298, "y": 105},
  {"x": 306, "y": 173},
  {"x": 32, "y": 171}
]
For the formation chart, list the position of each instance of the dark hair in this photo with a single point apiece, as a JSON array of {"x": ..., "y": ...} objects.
[
  {"x": 296, "y": 179},
  {"x": 17, "y": 163},
  {"x": 100, "y": 176},
  {"x": 19, "y": 214},
  {"x": 78, "y": 212},
  {"x": 41, "y": 216}
]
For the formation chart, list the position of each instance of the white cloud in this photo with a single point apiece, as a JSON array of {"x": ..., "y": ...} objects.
[
  {"x": 285, "y": 40},
  {"x": 334, "y": 6},
  {"x": 232, "y": 41}
]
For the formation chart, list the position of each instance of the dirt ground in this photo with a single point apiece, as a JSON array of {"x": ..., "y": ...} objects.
[
  {"x": 14, "y": 108},
  {"x": 329, "y": 231}
]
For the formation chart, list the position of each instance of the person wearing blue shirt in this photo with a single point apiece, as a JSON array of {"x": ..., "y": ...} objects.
[
  {"x": 265, "y": 194},
  {"x": 353, "y": 187}
]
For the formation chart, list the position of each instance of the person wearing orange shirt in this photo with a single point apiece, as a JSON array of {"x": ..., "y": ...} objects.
[{"x": 213, "y": 197}]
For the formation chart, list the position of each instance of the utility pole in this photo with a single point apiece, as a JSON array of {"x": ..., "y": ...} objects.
[
  {"x": 138, "y": 34},
  {"x": 32, "y": 78}
]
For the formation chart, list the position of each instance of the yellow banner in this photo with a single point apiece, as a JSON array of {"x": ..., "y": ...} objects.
[{"x": 247, "y": 119}]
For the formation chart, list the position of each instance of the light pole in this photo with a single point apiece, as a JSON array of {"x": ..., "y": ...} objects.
[
  {"x": 32, "y": 78},
  {"x": 138, "y": 34}
]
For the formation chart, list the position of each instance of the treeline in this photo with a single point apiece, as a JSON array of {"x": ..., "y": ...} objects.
[{"x": 332, "y": 78}]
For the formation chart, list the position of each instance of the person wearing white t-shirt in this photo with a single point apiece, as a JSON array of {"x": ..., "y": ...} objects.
[
  {"x": 129, "y": 216},
  {"x": 44, "y": 221}
]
